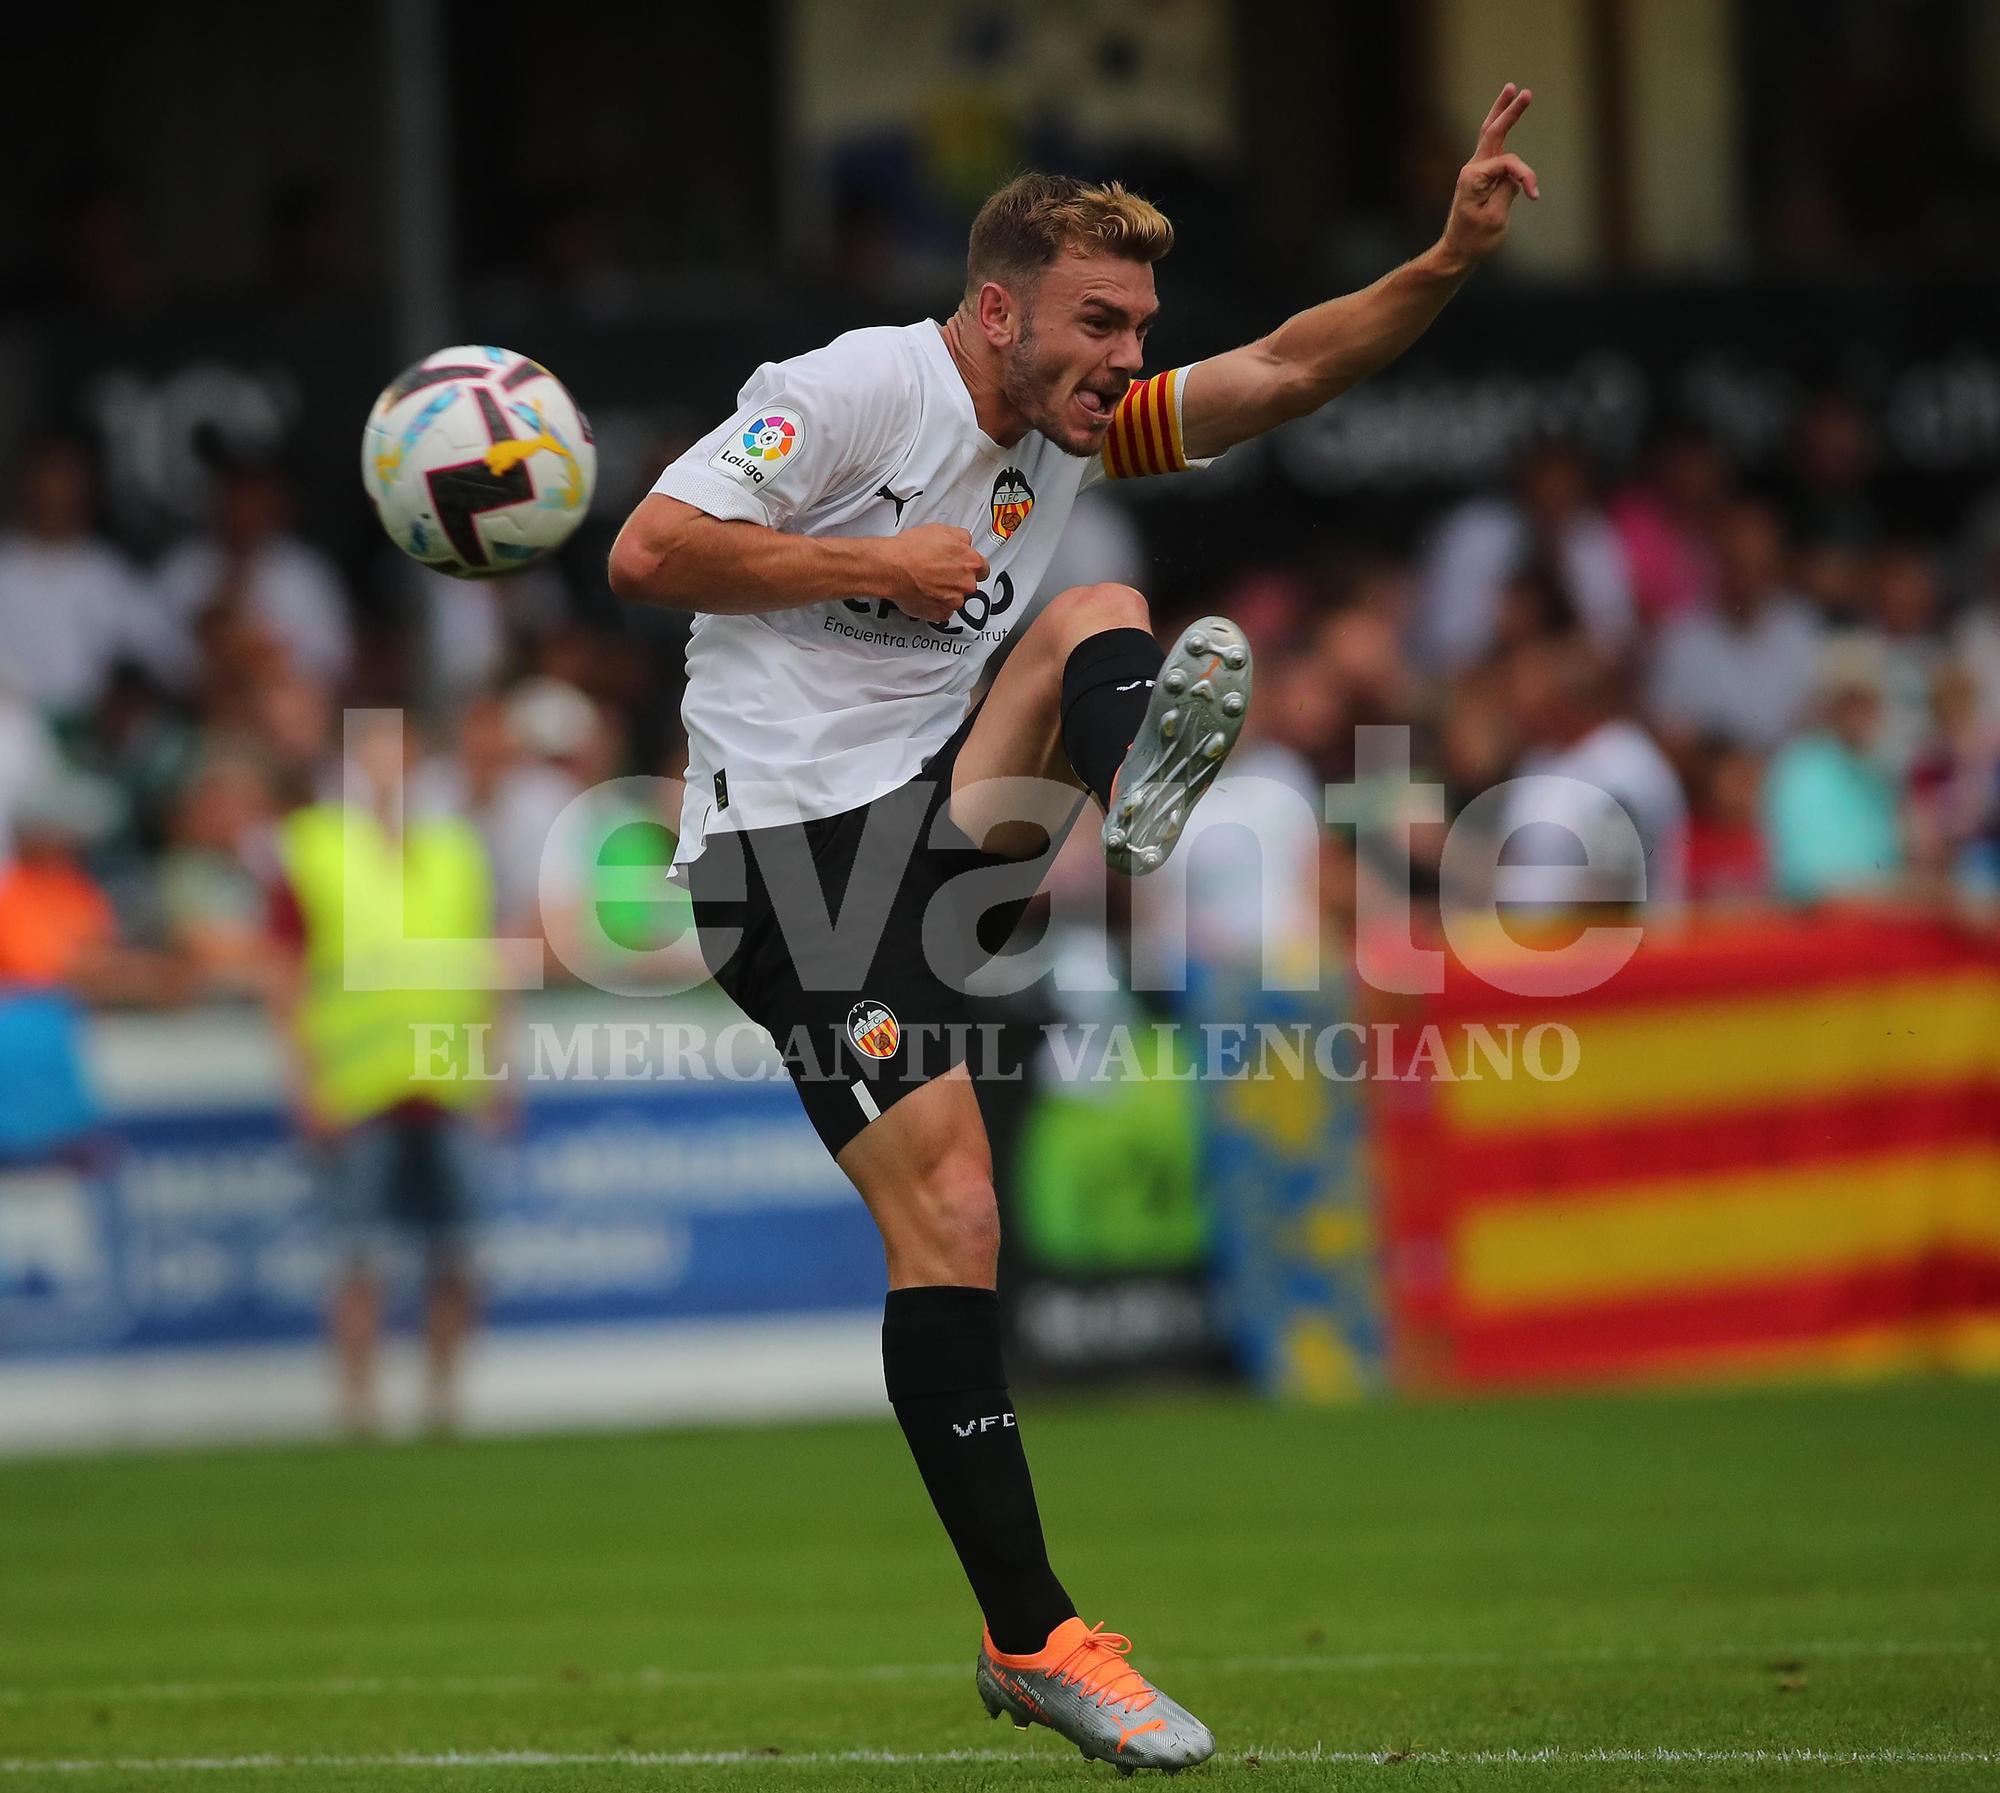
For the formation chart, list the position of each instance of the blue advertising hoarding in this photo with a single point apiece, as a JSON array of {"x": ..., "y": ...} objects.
[{"x": 201, "y": 1224}]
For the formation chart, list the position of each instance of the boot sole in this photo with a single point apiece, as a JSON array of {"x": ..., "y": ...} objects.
[{"x": 1200, "y": 701}]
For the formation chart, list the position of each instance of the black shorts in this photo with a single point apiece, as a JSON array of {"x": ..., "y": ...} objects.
[{"x": 850, "y": 938}]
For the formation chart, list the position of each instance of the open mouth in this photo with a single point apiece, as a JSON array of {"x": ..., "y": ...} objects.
[{"x": 1096, "y": 403}]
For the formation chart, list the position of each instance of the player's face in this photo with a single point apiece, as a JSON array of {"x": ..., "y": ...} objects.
[{"x": 1081, "y": 343}]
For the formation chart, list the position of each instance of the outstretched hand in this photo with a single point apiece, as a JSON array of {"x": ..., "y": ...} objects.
[{"x": 1484, "y": 198}]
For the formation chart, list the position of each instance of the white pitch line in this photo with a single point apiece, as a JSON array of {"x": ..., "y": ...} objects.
[
  {"x": 737, "y": 1758},
  {"x": 656, "y": 1678}
]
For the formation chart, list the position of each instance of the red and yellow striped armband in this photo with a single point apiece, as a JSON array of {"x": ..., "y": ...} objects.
[{"x": 1145, "y": 433}]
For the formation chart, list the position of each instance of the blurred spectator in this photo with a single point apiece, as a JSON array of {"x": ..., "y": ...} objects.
[
  {"x": 27, "y": 754},
  {"x": 373, "y": 901},
  {"x": 1830, "y": 504},
  {"x": 596, "y": 903},
  {"x": 213, "y": 884},
  {"x": 1587, "y": 761},
  {"x": 1359, "y": 651},
  {"x": 1533, "y": 607},
  {"x": 1476, "y": 743},
  {"x": 1954, "y": 789},
  {"x": 1666, "y": 523},
  {"x": 1829, "y": 486},
  {"x": 287, "y": 721},
  {"x": 1552, "y": 524},
  {"x": 145, "y": 745},
  {"x": 1727, "y": 862},
  {"x": 70, "y": 606},
  {"x": 1975, "y": 641},
  {"x": 47, "y": 1109},
  {"x": 511, "y": 773},
  {"x": 1902, "y": 594},
  {"x": 1742, "y": 667},
  {"x": 55, "y": 919},
  {"x": 1829, "y": 802},
  {"x": 1269, "y": 603},
  {"x": 57, "y": 924},
  {"x": 250, "y": 569},
  {"x": 475, "y": 630},
  {"x": 1357, "y": 655}
]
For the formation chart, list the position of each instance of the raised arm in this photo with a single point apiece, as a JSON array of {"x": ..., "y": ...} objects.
[
  {"x": 672, "y": 553},
  {"x": 1318, "y": 354}
]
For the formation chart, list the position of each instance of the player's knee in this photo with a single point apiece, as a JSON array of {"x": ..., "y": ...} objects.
[
  {"x": 958, "y": 1222},
  {"x": 1090, "y": 609}
]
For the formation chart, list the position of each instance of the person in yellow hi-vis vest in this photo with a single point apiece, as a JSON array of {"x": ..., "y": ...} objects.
[{"x": 389, "y": 1013}]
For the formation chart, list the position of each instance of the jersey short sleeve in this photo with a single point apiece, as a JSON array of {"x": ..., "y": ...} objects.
[
  {"x": 804, "y": 434},
  {"x": 1145, "y": 433}
]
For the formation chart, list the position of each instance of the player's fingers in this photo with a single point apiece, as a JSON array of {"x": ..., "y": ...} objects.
[
  {"x": 1521, "y": 175},
  {"x": 1499, "y": 106},
  {"x": 1493, "y": 138},
  {"x": 1493, "y": 170}
]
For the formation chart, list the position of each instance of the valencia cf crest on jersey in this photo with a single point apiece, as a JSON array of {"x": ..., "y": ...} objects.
[
  {"x": 1013, "y": 499},
  {"x": 873, "y": 1029}
]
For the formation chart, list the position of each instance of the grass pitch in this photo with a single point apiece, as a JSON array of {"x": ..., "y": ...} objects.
[{"x": 1796, "y": 1589}]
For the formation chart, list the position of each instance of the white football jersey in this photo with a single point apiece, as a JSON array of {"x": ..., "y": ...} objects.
[{"x": 796, "y": 714}]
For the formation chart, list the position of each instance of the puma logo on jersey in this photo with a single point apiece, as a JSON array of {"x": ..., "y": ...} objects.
[
  {"x": 1135, "y": 684},
  {"x": 1005, "y": 1420},
  {"x": 882, "y": 491}
]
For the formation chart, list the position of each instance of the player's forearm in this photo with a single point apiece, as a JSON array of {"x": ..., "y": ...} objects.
[
  {"x": 702, "y": 563},
  {"x": 1320, "y": 353}
]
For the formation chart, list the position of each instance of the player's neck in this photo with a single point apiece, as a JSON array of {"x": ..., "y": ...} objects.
[{"x": 980, "y": 370}]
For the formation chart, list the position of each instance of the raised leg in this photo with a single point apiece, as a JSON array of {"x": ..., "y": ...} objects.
[{"x": 1048, "y": 709}]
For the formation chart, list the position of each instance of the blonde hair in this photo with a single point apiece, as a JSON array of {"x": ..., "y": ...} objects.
[{"x": 1022, "y": 228}]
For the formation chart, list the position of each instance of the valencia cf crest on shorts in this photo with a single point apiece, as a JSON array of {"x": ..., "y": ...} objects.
[
  {"x": 1013, "y": 499},
  {"x": 873, "y": 1029}
]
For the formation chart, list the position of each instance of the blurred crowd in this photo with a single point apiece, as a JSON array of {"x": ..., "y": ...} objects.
[
  {"x": 1789, "y": 699},
  {"x": 158, "y": 722}
]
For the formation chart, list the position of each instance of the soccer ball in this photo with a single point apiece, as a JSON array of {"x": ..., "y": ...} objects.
[{"x": 478, "y": 462}]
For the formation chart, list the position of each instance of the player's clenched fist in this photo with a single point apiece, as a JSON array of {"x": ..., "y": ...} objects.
[{"x": 933, "y": 568}]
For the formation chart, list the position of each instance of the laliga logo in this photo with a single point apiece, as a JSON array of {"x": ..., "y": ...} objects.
[
  {"x": 758, "y": 454},
  {"x": 770, "y": 438},
  {"x": 873, "y": 1029}
]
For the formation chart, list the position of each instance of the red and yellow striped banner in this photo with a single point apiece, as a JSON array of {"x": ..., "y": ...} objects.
[{"x": 1779, "y": 1152}]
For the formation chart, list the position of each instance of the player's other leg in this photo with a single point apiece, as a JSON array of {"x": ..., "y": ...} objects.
[
  {"x": 925, "y": 1170},
  {"x": 1088, "y": 698}
]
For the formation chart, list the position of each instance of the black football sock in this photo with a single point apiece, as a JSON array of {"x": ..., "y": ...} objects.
[
  {"x": 941, "y": 1360},
  {"x": 1107, "y": 683}
]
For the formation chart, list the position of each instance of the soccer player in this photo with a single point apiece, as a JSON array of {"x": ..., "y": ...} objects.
[{"x": 857, "y": 540}]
